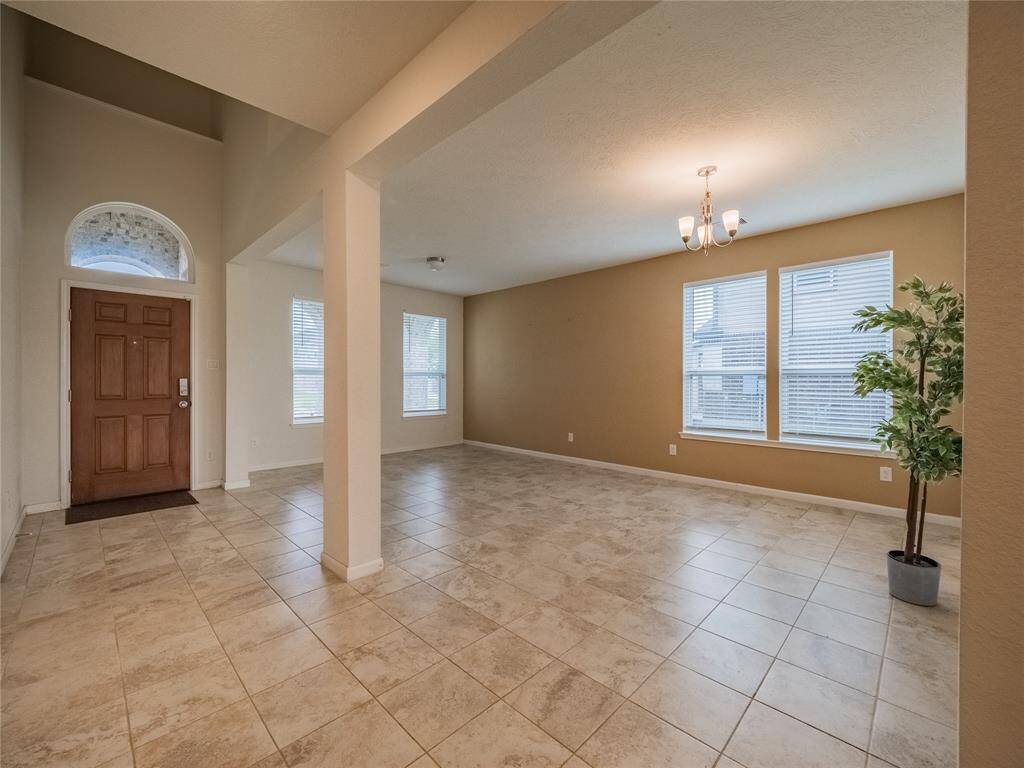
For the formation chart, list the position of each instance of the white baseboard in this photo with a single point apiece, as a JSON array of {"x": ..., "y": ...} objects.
[
  {"x": 235, "y": 485},
  {"x": 207, "y": 485},
  {"x": 11, "y": 538},
  {"x": 285, "y": 464},
  {"x": 407, "y": 448},
  {"x": 809, "y": 498},
  {"x": 46, "y": 506},
  {"x": 351, "y": 572}
]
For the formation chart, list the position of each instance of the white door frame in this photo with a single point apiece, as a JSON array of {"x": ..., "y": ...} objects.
[{"x": 65, "y": 375}]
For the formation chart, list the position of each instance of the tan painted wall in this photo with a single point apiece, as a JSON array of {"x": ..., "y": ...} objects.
[
  {"x": 598, "y": 354},
  {"x": 992, "y": 611},
  {"x": 79, "y": 152},
  {"x": 58, "y": 57},
  {"x": 271, "y": 167},
  {"x": 12, "y": 166}
]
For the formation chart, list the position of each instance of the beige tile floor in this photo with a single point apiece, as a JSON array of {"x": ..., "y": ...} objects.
[{"x": 531, "y": 613}]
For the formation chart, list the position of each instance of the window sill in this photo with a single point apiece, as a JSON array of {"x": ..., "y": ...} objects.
[
  {"x": 308, "y": 423},
  {"x": 425, "y": 415},
  {"x": 790, "y": 445}
]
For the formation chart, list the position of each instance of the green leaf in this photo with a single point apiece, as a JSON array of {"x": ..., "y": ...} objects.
[{"x": 924, "y": 377}]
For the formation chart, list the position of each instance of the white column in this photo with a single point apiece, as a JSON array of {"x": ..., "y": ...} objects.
[
  {"x": 351, "y": 373},
  {"x": 236, "y": 405}
]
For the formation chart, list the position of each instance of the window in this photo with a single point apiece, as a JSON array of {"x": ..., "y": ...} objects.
[
  {"x": 424, "y": 364},
  {"x": 724, "y": 357},
  {"x": 130, "y": 240},
  {"x": 818, "y": 350},
  {"x": 307, "y": 361}
]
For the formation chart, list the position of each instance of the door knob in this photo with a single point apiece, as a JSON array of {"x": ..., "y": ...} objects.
[{"x": 183, "y": 403}]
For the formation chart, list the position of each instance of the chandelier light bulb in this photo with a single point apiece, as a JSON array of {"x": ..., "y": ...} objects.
[
  {"x": 686, "y": 227},
  {"x": 702, "y": 233},
  {"x": 731, "y": 221}
]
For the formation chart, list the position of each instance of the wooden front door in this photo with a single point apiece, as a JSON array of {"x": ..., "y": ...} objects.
[{"x": 129, "y": 421}]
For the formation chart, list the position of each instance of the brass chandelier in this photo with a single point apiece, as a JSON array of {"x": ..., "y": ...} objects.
[{"x": 705, "y": 229}]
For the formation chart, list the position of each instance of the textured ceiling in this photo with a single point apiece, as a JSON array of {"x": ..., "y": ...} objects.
[
  {"x": 812, "y": 111},
  {"x": 314, "y": 63}
]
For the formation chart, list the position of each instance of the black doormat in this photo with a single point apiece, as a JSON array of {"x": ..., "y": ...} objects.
[{"x": 99, "y": 510}]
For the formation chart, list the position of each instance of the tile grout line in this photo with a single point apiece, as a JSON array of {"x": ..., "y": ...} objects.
[
  {"x": 878, "y": 683},
  {"x": 373, "y": 696},
  {"x": 775, "y": 659},
  {"x": 719, "y": 602},
  {"x": 220, "y": 643},
  {"x": 516, "y": 515}
]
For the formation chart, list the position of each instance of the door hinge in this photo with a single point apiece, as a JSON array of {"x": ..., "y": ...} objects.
[
  {"x": 69, "y": 475},
  {"x": 69, "y": 395}
]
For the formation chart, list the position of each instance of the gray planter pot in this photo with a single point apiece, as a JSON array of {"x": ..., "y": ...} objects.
[{"x": 917, "y": 584}]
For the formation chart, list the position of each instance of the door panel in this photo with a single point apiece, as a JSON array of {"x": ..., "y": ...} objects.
[
  {"x": 157, "y": 381},
  {"x": 156, "y": 441},
  {"x": 156, "y": 315},
  {"x": 129, "y": 434},
  {"x": 111, "y": 445},
  {"x": 116, "y": 313},
  {"x": 111, "y": 371}
]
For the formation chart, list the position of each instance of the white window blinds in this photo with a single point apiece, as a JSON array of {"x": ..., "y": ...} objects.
[
  {"x": 818, "y": 350},
  {"x": 307, "y": 361},
  {"x": 724, "y": 356},
  {"x": 424, "y": 364}
]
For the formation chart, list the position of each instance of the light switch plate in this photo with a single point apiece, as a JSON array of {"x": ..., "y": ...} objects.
[
  {"x": 885, "y": 474},
  {"x": 671, "y": 449}
]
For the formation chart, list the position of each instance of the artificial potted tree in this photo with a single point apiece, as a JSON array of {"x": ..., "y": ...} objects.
[{"x": 924, "y": 377}]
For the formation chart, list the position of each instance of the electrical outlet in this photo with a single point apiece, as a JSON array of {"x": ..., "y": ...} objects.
[
  {"x": 572, "y": 437},
  {"x": 252, "y": 443},
  {"x": 671, "y": 449},
  {"x": 209, "y": 455},
  {"x": 885, "y": 474}
]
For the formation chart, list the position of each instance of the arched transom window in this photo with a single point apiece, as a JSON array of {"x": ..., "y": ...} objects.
[{"x": 131, "y": 240}]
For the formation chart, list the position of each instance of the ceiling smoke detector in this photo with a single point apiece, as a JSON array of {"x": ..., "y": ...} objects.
[{"x": 436, "y": 263}]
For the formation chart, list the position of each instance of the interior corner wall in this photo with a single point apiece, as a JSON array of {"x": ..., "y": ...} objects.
[
  {"x": 79, "y": 152},
  {"x": 274, "y": 440},
  {"x": 992, "y": 587},
  {"x": 399, "y": 433},
  {"x": 272, "y": 167},
  {"x": 599, "y": 354},
  {"x": 12, "y": 134}
]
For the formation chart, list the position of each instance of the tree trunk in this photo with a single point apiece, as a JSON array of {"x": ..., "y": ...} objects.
[
  {"x": 920, "y": 523},
  {"x": 913, "y": 523},
  {"x": 908, "y": 548}
]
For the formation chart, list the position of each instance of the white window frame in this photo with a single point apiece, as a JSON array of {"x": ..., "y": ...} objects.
[
  {"x": 443, "y": 375},
  {"x": 737, "y": 435},
  {"x": 301, "y": 421},
  {"x": 825, "y": 443}
]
